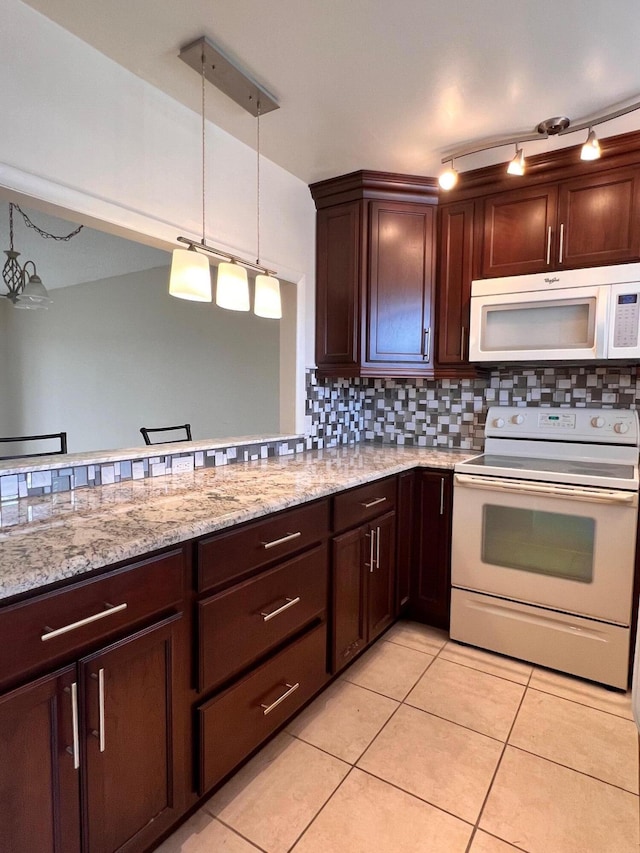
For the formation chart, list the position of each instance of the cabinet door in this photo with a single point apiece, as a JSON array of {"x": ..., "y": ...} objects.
[
  {"x": 39, "y": 784},
  {"x": 404, "y": 538},
  {"x": 431, "y": 582},
  {"x": 598, "y": 219},
  {"x": 455, "y": 259},
  {"x": 518, "y": 231},
  {"x": 338, "y": 248},
  {"x": 400, "y": 274},
  {"x": 129, "y": 742},
  {"x": 349, "y": 628},
  {"x": 381, "y": 573}
]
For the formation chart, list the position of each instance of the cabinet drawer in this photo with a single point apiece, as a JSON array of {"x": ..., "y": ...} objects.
[
  {"x": 246, "y": 621},
  {"x": 229, "y": 556},
  {"x": 358, "y": 505},
  {"x": 237, "y": 721},
  {"x": 55, "y": 625}
]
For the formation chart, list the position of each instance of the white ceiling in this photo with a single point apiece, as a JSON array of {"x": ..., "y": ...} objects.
[{"x": 375, "y": 84}]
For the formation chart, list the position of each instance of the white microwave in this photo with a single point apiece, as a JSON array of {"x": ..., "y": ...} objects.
[{"x": 568, "y": 315}]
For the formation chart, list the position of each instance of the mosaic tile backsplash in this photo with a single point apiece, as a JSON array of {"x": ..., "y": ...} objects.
[
  {"x": 451, "y": 413},
  {"x": 423, "y": 413}
]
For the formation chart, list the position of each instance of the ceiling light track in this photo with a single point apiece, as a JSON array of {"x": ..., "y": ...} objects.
[{"x": 555, "y": 126}]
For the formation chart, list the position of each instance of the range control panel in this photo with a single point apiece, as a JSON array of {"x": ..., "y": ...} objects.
[{"x": 609, "y": 426}]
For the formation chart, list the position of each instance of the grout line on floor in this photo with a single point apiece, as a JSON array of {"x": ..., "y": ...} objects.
[
  {"x": 322, "y": 807},
  {"x": 240, "y": 835},
  {"x": 454, "y": 722},
  {"x": 573, "y": 769},
  {"x": 582, "y": 704},
  {"x": 495, "y": 772}
]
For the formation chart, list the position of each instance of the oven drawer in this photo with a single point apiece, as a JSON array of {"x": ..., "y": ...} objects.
[
  {"x": 227, "y": 557},
  {"x": 571, "y": 644},
  {"x": 233, "y": 724},
  {"x": 237, "y": 626}
]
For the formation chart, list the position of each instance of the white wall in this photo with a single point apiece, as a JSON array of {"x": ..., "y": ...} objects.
[
  {"x": 111, "y": 356},
  {"x": 85, "y": 134}
]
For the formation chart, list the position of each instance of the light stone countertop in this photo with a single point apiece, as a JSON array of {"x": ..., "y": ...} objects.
[{"x": 47, "y": 539}]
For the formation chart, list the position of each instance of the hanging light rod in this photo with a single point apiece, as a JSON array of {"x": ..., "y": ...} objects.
[
  {"x": 226, "y": 76},
  {"x": 219, "y": 253},
  {"x": 556, "y": 126}
]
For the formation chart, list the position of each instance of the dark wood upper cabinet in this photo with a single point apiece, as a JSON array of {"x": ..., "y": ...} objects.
[
  {"x": 375, "y": 275},
  {"x": 400, "y": 283},
  {"x": 599, "y": 218},
  {"x": 590, "y": 220},
  {"x": 455, "y": 272},
  {"x": 518, "y": 231}
]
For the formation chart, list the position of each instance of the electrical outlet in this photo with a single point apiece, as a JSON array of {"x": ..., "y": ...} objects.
[{"x": 182, "y": 465}]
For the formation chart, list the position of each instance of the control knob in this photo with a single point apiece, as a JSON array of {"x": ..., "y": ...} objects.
[
  {"x": 517, "y": 419},
  {"x": 621, "y": 427},
  {"x": 597, "y": 422},
  {"x": 498, "y": 422}
]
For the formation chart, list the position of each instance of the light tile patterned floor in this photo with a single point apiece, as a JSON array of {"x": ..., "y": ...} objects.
[{"x": 427, "y": 746}]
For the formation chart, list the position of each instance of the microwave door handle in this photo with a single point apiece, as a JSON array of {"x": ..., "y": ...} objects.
[{"x": 548, "y": 489}]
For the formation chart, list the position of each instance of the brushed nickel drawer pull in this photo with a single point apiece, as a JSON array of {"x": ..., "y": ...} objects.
[
  {"x": 291, "y": 688},
  {"x": 75, "y": 750},
  {"x": 374, "y": 502},
  {"x": 50, "y": 633},
  {"x": 290, "y": 602},
  {"x": 286, "y": 538},
  {"x": 100, "y": 733}
]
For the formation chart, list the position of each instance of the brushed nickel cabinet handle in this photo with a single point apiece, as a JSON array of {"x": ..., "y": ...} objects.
[
  {"x": 75, "y": 749},
  {"x": 100, "y": 733},
  {"x": 286, "y": 538},
  {"x": 426, "y": 344},
  {"x": 50, "y": 633},
  {"x": 372, "y": 536},
  {"x": 561, "y": 243},
  {"x": 462, "y": 337},
  {"x": 548, "y": 245},
  {"x": 377, "y": 547},
  {"x": 441, "y": 495},
  {"x": 291, "y": 688},
  {"x": 374, "y": 502},
  {"x": 290, "y": 602}
]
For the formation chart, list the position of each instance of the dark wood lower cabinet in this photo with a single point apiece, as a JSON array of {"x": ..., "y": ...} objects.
[
  {"x": 86, "y": 753},
  {"x": 364, "y": 583},
  {"x": 39, "y": 786},
  {"x": 129, "y": 740},
  {"x": 431, "y": 575}
]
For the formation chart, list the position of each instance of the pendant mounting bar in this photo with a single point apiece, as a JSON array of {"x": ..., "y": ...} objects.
[{"x": 226, "y": 76}]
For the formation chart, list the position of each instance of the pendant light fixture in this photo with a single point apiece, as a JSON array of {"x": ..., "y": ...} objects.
[
  {"x": 516, "y": 164},
  {"x": 190, "y": 276},
  {"x": 267, "y": 302}
]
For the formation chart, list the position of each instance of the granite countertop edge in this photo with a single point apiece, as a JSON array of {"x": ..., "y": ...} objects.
[{"x": 66, "y": 537}]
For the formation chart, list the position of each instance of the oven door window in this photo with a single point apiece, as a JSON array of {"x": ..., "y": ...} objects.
[{"x": 546, "y": 543}]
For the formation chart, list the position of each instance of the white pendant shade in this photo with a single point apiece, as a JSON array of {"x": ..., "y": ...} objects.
[
  {"x": 267, "y": 298},
  {"x": 190, "y": 276},
  {"x": 232, "y": 287},
  {"x": 34, "y": 294}
]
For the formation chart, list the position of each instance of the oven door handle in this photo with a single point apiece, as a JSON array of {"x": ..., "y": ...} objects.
[{"x": 554, "y": 490}]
